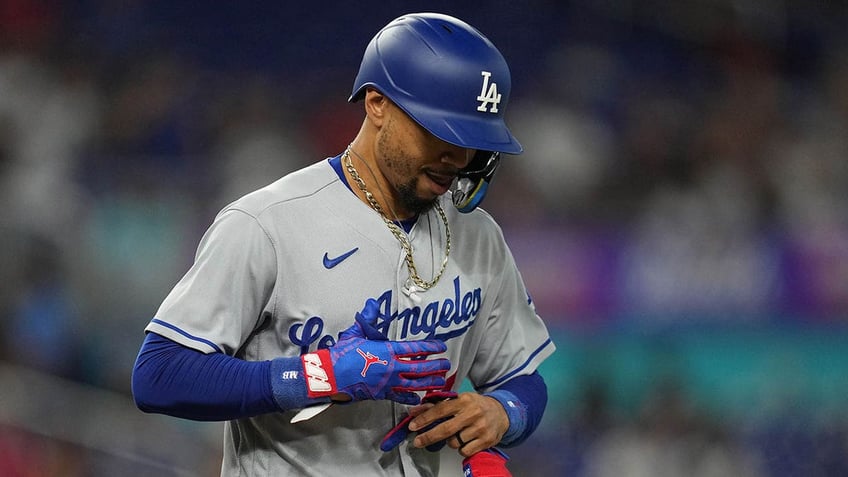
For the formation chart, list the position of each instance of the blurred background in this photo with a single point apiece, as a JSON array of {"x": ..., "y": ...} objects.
[{"x": 677, "y": 215}]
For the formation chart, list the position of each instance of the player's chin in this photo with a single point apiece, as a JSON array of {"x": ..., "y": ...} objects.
[{"x": 418, "y": 197}]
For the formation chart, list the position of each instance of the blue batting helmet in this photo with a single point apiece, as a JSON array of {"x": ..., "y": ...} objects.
[{"x": 446, "y": 76}]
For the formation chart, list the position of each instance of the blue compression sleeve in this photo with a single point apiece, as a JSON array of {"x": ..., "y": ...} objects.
[
  {"x": 172, "y": 379},
  {"x": 524, "y": 398}
]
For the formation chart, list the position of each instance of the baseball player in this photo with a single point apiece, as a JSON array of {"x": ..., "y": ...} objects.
[{"x": 330, "y": 317}]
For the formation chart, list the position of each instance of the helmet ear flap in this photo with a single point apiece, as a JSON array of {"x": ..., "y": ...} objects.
[
  {"x": 472, "y": 183},
  {"x": 467, "y": 194}
]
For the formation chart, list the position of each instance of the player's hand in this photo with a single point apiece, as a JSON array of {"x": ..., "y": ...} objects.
[
  {"x": 469, "y": 423},
  {"x": 401, "y": 431},
  {"x": 364, "y": 365}
]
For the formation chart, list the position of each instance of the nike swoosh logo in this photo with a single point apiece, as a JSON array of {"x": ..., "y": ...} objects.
[{"x": 332, "y": 262}]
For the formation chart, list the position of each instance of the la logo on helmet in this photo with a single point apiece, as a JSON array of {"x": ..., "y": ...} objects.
[{"x": 488, "y": 94}]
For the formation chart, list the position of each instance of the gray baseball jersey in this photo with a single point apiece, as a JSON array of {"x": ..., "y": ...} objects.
[{"x": 283, "y": 270}]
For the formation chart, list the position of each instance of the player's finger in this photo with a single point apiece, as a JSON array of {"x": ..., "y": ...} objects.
[
  {"x": 367, "y": 321},
  {"x": 420, "y": 383},
  {"x": 438, "y": 367},
  {"x": 416, "y": 410},
  {"x": 465, "y": 440},
  {"x": 445, "y": 410},
  {"x": 419, "y": 379},
  {"x": 352, "y": 332},
  {"x": 439, "y": 396},
  {"x": 467, "y": 446},
  {"x": 422, "y": 348},
  {"x": 441, "y": 431}
]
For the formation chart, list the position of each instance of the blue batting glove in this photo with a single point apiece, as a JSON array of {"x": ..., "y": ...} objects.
[{"x": 365, "y": 365}]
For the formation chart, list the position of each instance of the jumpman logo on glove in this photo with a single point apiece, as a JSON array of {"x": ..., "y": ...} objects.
[
  {"x": 369, "y": 360},
  {"x": 405, "y": 371}
]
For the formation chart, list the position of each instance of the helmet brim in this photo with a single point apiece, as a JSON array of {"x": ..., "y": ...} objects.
[
  {"x": 472, "y": 133},
  {"x": 457, "y": 129}
]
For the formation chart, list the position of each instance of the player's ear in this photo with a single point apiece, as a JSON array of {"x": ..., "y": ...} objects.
[{"x": 375, "y": 106}]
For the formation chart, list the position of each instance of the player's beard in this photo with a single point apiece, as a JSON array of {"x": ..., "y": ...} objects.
[
  {"x": 411, "y": 201},
  {"x": 399, "y": 163}
]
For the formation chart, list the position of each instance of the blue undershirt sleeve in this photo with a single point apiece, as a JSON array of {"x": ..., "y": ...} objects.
[
  {"x": 524, "y": 398},
  {"x": 172, "y": 379}
]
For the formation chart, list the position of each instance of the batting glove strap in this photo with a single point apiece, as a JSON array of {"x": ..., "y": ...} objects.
[
  {"x": 487, "y": 463},
  {"x": 289, "y": 384},
  {"x": 515, "y": 411}
]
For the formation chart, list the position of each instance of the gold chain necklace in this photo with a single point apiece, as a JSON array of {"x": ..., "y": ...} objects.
[{"x": 399, "y": 234}]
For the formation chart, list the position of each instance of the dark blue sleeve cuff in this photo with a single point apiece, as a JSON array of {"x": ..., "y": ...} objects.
[{"x": 524, "y": 398}]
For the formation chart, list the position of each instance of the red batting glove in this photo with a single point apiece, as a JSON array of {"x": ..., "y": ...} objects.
[{"x": 488, "y": 463}]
